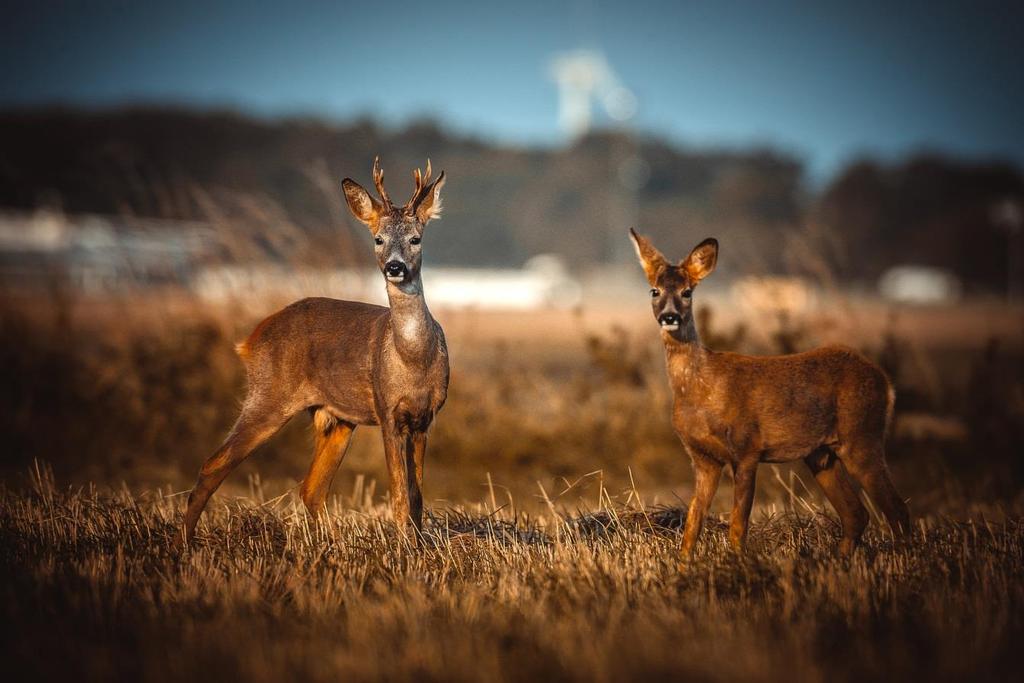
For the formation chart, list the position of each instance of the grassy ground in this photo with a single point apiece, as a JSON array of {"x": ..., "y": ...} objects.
[
  {"x": 89, "y": 589},
  {"x": 559, "y": 423}
]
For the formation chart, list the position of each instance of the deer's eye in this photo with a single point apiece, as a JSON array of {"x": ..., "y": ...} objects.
[
  {"x": 654, "y": 293},
  {"x": 378, "y": 240},
  {"x": 687, "y": 293},
  {"x": 415, "y": 240}
]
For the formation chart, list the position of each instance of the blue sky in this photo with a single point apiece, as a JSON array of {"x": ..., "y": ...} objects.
[{"x": 825, "y": 81}]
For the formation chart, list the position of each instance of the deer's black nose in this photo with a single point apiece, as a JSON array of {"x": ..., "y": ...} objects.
[
  {"x": 669, "y": 319},
  {"x": 394, "y": 268}
]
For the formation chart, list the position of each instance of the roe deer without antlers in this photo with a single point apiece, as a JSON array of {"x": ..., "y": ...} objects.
[
  {"x": 830, "y": 407},
  {"x": 349, "y": 364}
]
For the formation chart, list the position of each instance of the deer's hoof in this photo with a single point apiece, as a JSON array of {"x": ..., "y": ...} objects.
[
  {"x": 847, "y": 546},
  {"x": 684, "y": 561},
  {"x": 179, "y": 543}
]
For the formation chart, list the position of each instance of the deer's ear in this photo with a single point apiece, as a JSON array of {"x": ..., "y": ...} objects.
[
  {"x": 701, "y": 261},
  {"x": 360, "y": 203},
  {"x": 650, "y": 258},
  {"x": 429, "y": 207}
]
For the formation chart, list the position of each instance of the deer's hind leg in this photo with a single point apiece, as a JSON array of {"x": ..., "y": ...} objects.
[
  {"x": 841, "y": 491},
  {"x": 744, "y": 480},
  {"x": 258, "y": 422},
  {"x": 332, "y": 440},
  {"x": 866, "y": 463}
]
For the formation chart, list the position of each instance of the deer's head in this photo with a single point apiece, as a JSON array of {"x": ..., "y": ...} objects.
[
  {"x": 397, "y": 231},
  {"x": 672, "y": 284}
]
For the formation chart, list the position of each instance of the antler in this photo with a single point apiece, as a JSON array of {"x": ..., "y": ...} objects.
[
  {"x": 422, "y": 188},
  {"x": 378, "y": 180},
  {"x": 422, "y": 183}
]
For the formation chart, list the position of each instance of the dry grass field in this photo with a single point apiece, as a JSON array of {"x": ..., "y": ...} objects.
[
  {"x": 173, "y": 175},
  {"x": 92, "y": 591},
  {"x": 556, "y": 490}
]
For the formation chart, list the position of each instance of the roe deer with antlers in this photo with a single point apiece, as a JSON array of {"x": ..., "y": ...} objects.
[
  {"x": 830, "y": 407},
  {"x": 349, "y": 364}
]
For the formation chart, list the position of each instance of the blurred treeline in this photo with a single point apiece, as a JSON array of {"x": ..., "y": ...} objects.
[{"x": 505, "y": 204}]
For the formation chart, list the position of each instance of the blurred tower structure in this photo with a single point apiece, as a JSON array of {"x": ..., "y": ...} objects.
[
  {"x": 585, "y": 81},
  {"x": 584, "y": 78}
]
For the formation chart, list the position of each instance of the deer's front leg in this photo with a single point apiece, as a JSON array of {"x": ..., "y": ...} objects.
[
  {"x": 707, "y": 473},
  {"x": 414, "y": 474},
  {"x": 743, "y": 500},
  {"x": 395, "y": 448}
]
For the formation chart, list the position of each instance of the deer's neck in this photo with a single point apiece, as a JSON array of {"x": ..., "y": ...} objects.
[
  {"x": 684, "y": 356},
  {"x": 412, "y": 326},
  {"x": 685, "y": 335}
]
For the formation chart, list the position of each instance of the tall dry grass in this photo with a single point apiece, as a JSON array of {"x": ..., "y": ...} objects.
[
  {"x": 91, "y": 590},
  {"x": 143, "y": 388}
]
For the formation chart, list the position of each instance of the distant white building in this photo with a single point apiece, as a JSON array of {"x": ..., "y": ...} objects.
[
  {"x": 543, "y": 282},
  {"x": 919, "y": 285},
  {"x": 94, "y": 253}
]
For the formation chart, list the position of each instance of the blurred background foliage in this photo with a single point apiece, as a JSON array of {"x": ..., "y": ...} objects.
[{"x": 509, "y": 203}]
